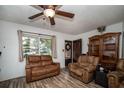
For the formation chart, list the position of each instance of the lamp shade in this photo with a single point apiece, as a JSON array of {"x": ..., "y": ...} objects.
[{"x": 49, "y": 12}]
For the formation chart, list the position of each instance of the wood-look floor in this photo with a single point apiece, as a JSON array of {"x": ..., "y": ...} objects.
[{"x": 61, "y": 81}]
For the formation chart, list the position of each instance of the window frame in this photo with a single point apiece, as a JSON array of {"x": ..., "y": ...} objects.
[{"x": 38, "y": 37}]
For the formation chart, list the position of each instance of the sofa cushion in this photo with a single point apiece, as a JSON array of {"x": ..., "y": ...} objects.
[
  {"x": 83, "y": 64},
  {"x": 73, "y": 65},
  {"x": 86, "y": 60},
  {"x": 96, "y": 61},
  {"x": 91, "y": 59},
  {"x": 46, "y": 58},
  {"x": 89, "y": 68},
  {"x": 77, "y": 71},
  {"x": 44, "y": 63},
  {"x": 51, "y": 68},
  {"x": 35, "y": 64},
  {"x": 37, "y": 71},
  {"x": 83, "y": 58},
  {"x": 34, "y": 58}
]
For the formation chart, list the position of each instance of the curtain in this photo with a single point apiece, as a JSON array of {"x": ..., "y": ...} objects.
[
  {"x": 20, "y": 34},
  {"x": 54, "y": 50}
]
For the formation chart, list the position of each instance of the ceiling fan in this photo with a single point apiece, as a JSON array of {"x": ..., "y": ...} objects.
[{"x": 50, "y": 11}]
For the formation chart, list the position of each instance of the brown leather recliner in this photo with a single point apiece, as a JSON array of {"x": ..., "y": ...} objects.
[
  {"x": 84, "y": 68},
  {"x": 39, "y": 67},
  {"x": 116, "y": 78}
]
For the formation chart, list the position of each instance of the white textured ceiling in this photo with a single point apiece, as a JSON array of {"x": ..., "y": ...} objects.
[{"x": 86, "y": 17}]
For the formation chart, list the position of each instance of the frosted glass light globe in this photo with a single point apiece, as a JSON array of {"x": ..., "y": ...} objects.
[{"x": 49, "y": 12}]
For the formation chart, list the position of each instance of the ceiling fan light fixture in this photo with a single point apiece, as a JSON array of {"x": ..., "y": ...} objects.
[{"x": 49, "y": 12}]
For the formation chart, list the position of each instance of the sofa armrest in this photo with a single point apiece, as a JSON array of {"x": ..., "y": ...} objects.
[
  {"x": 119, "y": 76},
  {"x": 70, "y": 65},
  {"x": 28, "y": 73},
  {"x": 115, "y": 78},
  {"x": 58, "y": 64},
  {"x": 89, "y": 68},
  {"x": 58, "y": 67},
  {"x": 28, "y": 66}
]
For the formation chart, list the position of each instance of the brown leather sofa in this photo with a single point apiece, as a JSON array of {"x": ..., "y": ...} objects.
[
  {"x": 39, "y": 67},
  {"x": 84, "y": 68},
  {"x": 116, "y": 78}
]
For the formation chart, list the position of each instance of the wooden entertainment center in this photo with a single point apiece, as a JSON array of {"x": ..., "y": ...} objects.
[{"x": 106, "y": 47}]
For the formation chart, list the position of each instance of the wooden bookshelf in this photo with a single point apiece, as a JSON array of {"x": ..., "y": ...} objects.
[{"x": 107, "y": 48}]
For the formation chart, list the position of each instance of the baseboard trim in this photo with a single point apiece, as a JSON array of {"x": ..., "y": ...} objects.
[{"x": 12, "y": 78}]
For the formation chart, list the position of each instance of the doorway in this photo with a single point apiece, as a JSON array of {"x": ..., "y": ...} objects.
[
  {"x": 68, "y": 52},
  {"x": 77, "y": 49},
  {"x": 73, "y": 50}
]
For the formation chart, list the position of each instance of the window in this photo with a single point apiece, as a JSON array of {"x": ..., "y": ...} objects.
[
  {"x": 36, "y": 44},
  {"x": 30, "y": 43}
]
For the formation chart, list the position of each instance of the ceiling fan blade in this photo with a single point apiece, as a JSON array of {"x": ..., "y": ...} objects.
[
  {"x": 58, "y": 6},
  {"x": 42, "y": 6},
  {"x": 50, "y": 6},
  {"x": 36, "y": 15},
  {"x": 65, "y": 14},
  {"x": 37, "y": 7},
  {"x": 52, "y": 21}
]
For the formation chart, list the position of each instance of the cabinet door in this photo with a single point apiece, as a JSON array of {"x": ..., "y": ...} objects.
[
  {"x": 94, "y": 46},
  {"x": 109, "y": 49}
]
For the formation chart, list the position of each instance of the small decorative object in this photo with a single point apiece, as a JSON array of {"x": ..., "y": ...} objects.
[
  {"x": 68, "y": 47},
  {"x": 98, "y": 67},
  {"x": 101, "y": 29},
  {"x": 101, "y": 69}
]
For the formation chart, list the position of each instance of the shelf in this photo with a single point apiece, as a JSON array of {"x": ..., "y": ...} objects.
[
  {"x": 108, "y": 61},
  {"x": 94, "y": 50},
  {"x": 109, "y": 43},
  {"x": 109, "y": 50},
  {"x": 108, "y": 57},
  {"x": 109, "y": 47}
]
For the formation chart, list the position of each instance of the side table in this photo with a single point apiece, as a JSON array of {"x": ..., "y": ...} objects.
[{"x": 101, "y": 78}]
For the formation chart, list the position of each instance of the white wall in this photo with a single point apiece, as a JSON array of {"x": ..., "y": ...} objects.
[
  {"x": 111, "y": 28},
  {"x": 9, "y": 64}
]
